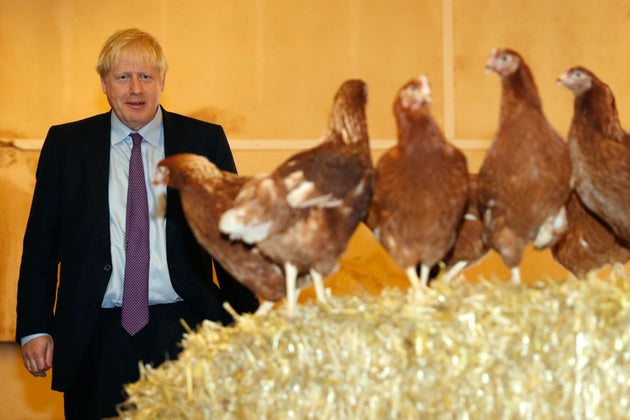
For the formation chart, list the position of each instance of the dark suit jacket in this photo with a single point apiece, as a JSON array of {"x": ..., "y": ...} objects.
[{"x": 68, "y": 229}]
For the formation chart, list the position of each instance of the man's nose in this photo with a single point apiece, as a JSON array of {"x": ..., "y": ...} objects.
[{"x": 136, "y": 84}]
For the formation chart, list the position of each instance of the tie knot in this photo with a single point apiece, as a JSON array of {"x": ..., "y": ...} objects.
[{"x": 137, "y": 138}]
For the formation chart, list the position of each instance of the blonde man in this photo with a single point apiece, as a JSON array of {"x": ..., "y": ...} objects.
[{"x": 77, "y": 227}]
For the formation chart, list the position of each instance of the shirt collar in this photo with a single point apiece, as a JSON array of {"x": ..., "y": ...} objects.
[{"x": 150, "y": 132}]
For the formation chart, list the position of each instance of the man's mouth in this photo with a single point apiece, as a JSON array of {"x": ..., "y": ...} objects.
[{"x": 138, "y": 104}]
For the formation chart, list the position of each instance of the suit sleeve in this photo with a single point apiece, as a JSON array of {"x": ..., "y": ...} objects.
[
  {"x": 37, "y": 281},
  {"x": 223, "y": 153},
  {"x": 240, "y": 297}
]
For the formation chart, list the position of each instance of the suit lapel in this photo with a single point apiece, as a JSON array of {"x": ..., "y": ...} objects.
[
  {"x": 174, "y": 138},
  {"x": 95, "y": 151},
  {"x": 174, "y": 143}
]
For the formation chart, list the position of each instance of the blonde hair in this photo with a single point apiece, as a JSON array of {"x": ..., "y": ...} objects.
[{"x": 140, "y": 45}]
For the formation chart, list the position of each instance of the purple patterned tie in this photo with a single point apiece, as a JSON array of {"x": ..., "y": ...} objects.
[{"x": 135, "y": 304}]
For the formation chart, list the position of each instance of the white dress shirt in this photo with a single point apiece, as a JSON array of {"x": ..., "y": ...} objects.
[{"x": 160, "y": 288}]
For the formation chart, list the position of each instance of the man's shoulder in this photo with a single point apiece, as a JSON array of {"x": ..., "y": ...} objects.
[
  {"x": 88, "y": 123},
  {"x": 175, "y": 119}
]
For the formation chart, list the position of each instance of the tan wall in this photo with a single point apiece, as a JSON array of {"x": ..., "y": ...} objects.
[{"x": 267, "y": 70}]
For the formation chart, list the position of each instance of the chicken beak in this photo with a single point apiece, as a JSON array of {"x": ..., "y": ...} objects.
[
  {"x": 425, "y": 89},
  {"x": 491, "y": 61},
  {"x": 562, "y": 80}
]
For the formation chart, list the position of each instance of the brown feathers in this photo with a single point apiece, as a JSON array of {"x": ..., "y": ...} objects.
[
  {"x": 524, "y": 179},
  {"x": 206, "y": 192},
  {"x": 469, "y": 246},
  {"x": 303, "y": 213},
  {"x": 588, "y": 244},
  {"x": 600, "y": 151},
  {"x": 421, "y": 187}
]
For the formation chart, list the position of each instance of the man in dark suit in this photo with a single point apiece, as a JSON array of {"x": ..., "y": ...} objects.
[{"x": 72, "y": 275}]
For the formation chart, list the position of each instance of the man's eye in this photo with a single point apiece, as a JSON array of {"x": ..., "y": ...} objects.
[
  {"x": 145, "y": 77},
  {"x": 123, "y": 77}
]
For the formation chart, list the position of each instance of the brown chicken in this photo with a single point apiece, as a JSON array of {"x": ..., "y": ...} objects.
[
  {"x": 469, "y": 246},
  {"x": 523, "y": 182},
  {"x": 588, "y": 244},
  {"x": 303, "y": 214},
  {"x": 206, "y": 192},
  {"x": 421, "y": 187},
  {"x": 600, "y": 151}
]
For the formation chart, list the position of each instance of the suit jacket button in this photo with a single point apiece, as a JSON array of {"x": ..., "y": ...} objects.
[{"x": 107, "y": 267}]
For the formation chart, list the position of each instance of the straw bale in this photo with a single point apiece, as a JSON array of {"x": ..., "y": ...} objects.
[{"x": 490, "y": 349}]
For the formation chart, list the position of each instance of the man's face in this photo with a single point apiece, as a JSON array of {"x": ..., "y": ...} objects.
[{"x": 133, "y": 91}]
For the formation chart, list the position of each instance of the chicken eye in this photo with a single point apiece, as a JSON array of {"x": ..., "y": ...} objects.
[
  {"x": 413, "y": 88},
  {"x": 577, "y": 74},
  {"x": 504, "y": 57}
]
